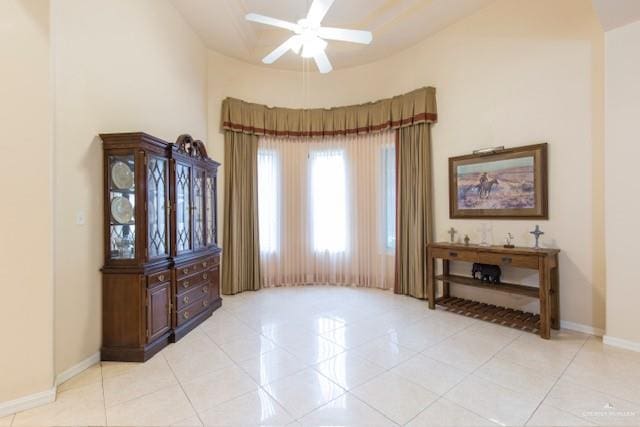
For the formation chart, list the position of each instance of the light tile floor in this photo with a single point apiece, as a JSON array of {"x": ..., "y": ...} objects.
[{"x": 326, "y": 355}]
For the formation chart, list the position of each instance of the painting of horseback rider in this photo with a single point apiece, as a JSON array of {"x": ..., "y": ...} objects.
[{"x": 506, "y": 181}]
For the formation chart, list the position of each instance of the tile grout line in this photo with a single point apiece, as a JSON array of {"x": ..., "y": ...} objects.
[
  {"x": 388, "y": 370},
  {"x": 441, "y": 396},
  {"x": 556, "y": 382},
  {"x": 182, "y": 388},
  {"x": 104, "y": 400},
  {"x": 260, "y": 387},
  {"x": 469, "y": 374},
  {"x": 313, "y": 365},
  {"x": 138, "y": 364}
]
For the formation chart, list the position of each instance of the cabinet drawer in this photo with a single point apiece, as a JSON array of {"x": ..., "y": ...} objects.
[
  {"x": 192, "y": 310},
  {"x": 455, "y": 254},
  {"x": 192, "y": 295},
  {"x": 521, "y": 261},
  {"x": 191, "y": 281},
  {"x": 188, "y": 269},
  {"x": 209, "y": 262},
  {"x": 160, "y": 277}
]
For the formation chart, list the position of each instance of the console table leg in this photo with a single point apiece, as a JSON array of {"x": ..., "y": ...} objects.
[
  {"x": 555, "y": 298},
  {"x": 431, "y": 272},
  {"x": 545, "y": 299},
  {"x": 445, "y": 272}
]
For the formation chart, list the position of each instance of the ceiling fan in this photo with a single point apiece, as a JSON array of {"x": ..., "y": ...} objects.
[{"x": 310, "y": 35}]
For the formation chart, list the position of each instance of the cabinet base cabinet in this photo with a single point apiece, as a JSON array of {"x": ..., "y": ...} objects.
[
  {"x": 143, "y": 313},
  {"x": 135, "y": 354}
]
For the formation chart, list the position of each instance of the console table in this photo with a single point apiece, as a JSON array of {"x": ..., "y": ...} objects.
[{"x": 545, "y": 261}]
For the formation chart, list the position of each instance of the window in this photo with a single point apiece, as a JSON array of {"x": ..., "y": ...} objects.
[
  {"x": 268, "y": 200},
  {"x": 328, "y": 193},
  {"x": 389, "y": 194}
]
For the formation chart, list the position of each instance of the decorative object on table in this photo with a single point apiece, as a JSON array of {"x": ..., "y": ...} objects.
[
  {"x": 122, "y": 175},
  {"x": 452, "y": 232},
  {"x": 486, "y": 233},
  {"x": 508, "y": 241},
  {"x": 486, "y": 272},
  {"x": 509, "y": 183},
  {"x": 537, "y": 233},
  {"x": 466, "y": 240}
]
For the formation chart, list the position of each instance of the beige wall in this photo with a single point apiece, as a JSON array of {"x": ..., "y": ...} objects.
[
  {"x": 622, "y": 110},
  {"x": 26, "y": 307},
  {"x": 514, "y": 73},
  {"x": 120, "y": 65}
]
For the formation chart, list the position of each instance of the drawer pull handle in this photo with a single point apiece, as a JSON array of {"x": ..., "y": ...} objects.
[
  {"x": 506, "y": 259},
  {"x": 161, "y": 278},
  {"x": 205, "y": 303},
  {"x": 204, "y": 264},
  {"x": 185, "y": 270},
  {"x": 185, "y": 284},
  {"x": 186, "y": 299},
  {"x": 453, "y": 254},
  {"x": 185, "y": 314},
  {"x": 205, "y": 276},
  {"x": 205, "y": 290}
]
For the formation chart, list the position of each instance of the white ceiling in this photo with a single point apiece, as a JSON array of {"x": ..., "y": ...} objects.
[
  {"x": 396, "y": 25},
  {"x": 616, "y": 13}
]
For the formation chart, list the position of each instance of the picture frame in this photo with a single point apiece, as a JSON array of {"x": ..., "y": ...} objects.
[{"x": 504, "y": 184}]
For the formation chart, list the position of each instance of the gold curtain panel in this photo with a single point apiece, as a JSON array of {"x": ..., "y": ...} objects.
[{"x": 416, "y": 107}]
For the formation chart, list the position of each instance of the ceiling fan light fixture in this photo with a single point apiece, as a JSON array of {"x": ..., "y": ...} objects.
[{"x": 313, "y": 46}]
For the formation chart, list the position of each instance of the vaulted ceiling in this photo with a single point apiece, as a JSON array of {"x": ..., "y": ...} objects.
[{"x": 396, "y": 25}]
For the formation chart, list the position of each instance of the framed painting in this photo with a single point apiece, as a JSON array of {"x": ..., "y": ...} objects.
[{"x": 509, "y": 184}]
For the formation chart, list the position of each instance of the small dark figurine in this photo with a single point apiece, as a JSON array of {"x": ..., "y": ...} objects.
[{"x": 488, "y": 273}]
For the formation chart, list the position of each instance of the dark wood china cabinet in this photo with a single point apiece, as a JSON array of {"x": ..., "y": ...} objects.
[{"x": 161, "y": 274}]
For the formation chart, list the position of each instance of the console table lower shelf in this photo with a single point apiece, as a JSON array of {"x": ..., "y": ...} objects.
[{"x": 492, "y": 313}]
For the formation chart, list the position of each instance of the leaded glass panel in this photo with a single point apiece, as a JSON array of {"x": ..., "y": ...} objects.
[
  {"x": 183, "y": 208},
  {"x": 210, "y": 211},
  {"x": 156, "y": 206},
  {"x": 198, "y": 209}
]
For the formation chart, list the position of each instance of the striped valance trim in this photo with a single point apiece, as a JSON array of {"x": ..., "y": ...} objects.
[{"x": 410, "y": 109}]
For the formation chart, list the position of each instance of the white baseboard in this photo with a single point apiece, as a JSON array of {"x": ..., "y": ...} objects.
[
  {"x": 621, "y": 343},
  {"x": 579, "y": 327},
  {"x": 47, "y": 396},
  {"x": 78, "y": 368},
  {"x": 27, "y": 402}
]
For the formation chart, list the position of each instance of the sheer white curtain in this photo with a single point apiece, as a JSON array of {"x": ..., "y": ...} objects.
[{"x": 327, "y": 210}]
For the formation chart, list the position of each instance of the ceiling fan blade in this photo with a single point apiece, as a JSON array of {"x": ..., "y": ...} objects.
[
  {"x": 292, "y": 43},
  {"x": 318, "y": 10},
  {"x": 267, "y": 20},
  {"x": 323, "y": 63},
  {"x": 353, "y": 36}
]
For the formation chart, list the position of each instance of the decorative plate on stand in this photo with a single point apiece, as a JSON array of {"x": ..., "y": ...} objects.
[
  {"x": 122, "y": 175},
  {"x": 122, "y": 210}
]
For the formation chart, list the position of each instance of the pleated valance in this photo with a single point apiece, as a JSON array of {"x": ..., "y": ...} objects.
[{"x": 418, "y": 106}]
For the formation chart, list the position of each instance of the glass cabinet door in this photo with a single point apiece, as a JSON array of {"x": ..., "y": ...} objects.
[
  {"x": 122, "y": 203},
  {"x": 198, "y": 209},
  {"x": 158, "y": 225},
  {"x": 210, "y": 211},
  {"x": 183, "y": 208}
]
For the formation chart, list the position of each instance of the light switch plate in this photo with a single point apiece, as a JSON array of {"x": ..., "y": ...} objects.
[{"x": 80, "y": 217}]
